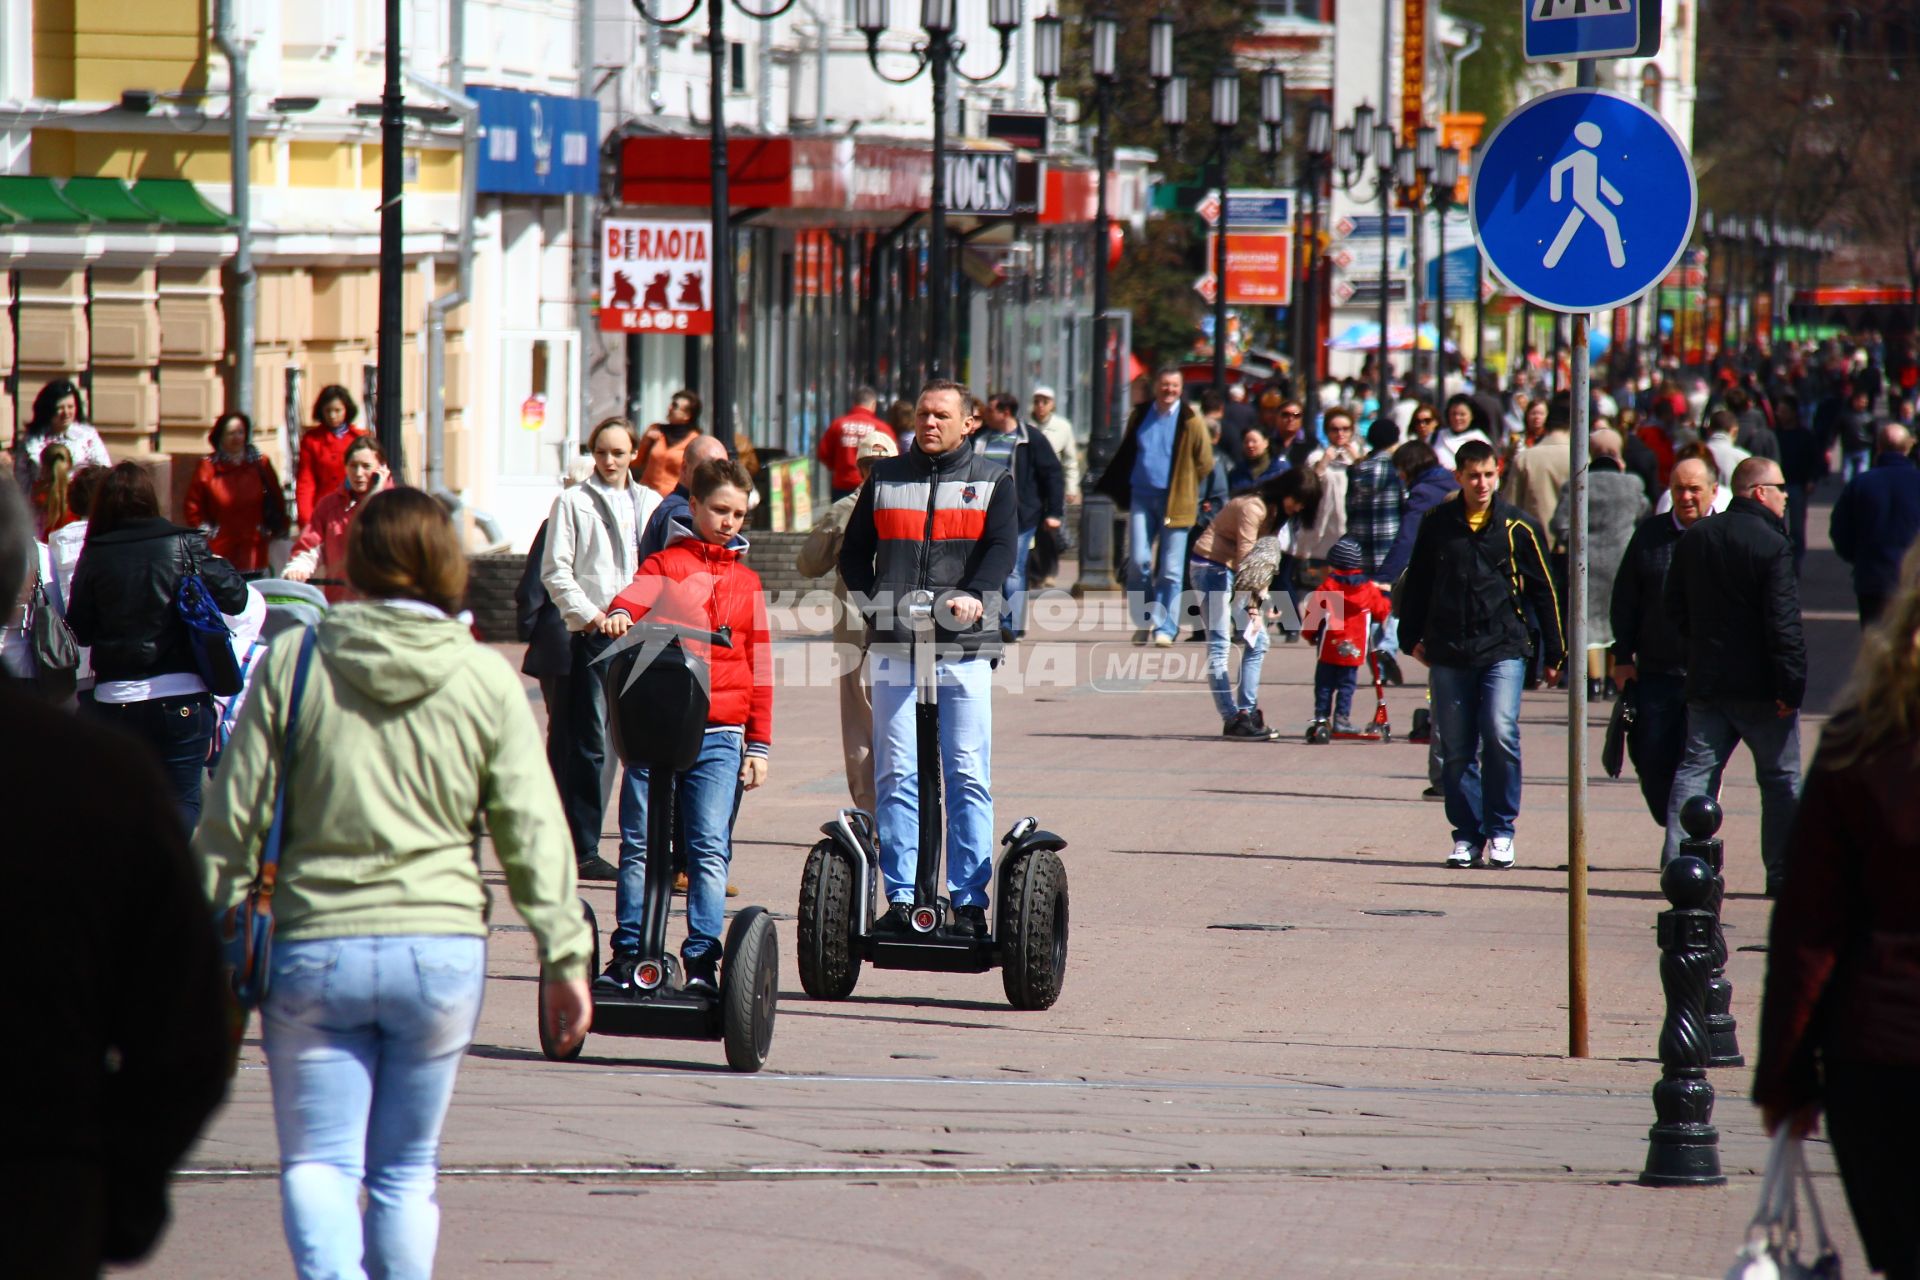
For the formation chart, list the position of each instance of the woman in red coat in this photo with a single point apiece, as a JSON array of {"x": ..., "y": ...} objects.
[
  {"x": 321, "y": 550},
  {"x": 323, "y": 450},
  {"x": 235, "y": 496},
  {"x": 699, "y": 582}
]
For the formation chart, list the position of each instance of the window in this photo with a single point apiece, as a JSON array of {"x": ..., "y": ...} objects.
[
  {"x": 1283, "y": 10},
  {"x": 736, "y": 66}
]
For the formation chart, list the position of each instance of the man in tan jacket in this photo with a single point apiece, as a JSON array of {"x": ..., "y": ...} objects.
[
  {"x": 1539, "y": 472},
  {"x": 819, "y": 556},
  {"x": 1155, "y": 477}
]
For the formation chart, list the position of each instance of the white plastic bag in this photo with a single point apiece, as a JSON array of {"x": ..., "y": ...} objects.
[{"x": 1772, "y": 1250}]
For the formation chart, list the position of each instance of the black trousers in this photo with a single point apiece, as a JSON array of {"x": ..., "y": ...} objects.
[
  {"x": 1659, "y": 737},
  {"x": 1873, "y": 1121},
  {"x": 584, "y": 751}
]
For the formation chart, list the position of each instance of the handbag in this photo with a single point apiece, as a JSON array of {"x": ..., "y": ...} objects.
[
  {"x": 1626, "y": 709},
  {"x": 246, "y": 929},
  {"x": 56, "y": 654},
  {"x": 273, "y": 509},
  {"x": 1772, "y": 1250},
  {"x": 207, "y": 633}
]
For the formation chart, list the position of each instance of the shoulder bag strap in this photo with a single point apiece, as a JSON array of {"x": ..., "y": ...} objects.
[{"x": 270, "y": 851}]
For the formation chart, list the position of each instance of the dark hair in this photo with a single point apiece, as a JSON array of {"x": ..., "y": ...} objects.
[
  {"x": 900, "y": 417},
  {"x": 866, "y": 395},
  {"x": 1383, "y": 434},
  {"x": 220, "y": 428},
  {"x": 1004, "y": 402},
  {"x": 1722, "y": 420},
  {"x": 364, "y": 444},
  {"x": 43, "y": 405},
  {"x": 1166, "y": 369},
  {"x": 968, "y": 403},
  {"x": 327, "y": 396},
  {"x": 1337, "y": 411},
  {"x": 1211, "y": 401},
  {"x": 716, "y": 473},
  {"x": 401, "y": 545},
  {"x": 693, "y": 403},
  {"x": 80, "y": 489},
  {"x": 1300, "y": 484},
  {"x": 126, "y": 495},
  {"x": 1472, "y": 454},
  {"x": 1415, "y": 458},
  {"x": 1737, "y": 400}
]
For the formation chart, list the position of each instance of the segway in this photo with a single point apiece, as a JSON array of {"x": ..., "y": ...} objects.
[
  {"x": 1379, "y": 729},
  {"x": 840, "y": 888},
  {"x": 657, "y": 718}
]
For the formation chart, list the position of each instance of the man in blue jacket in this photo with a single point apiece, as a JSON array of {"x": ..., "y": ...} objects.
[{"x": 1877, "y": 518}]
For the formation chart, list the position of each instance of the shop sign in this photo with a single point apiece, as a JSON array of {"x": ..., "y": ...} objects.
[{"x": 655, "y": 276}]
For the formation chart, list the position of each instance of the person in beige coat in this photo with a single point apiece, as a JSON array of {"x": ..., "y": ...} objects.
[
  {"x": 819, "y": 556},
  {"x": 1539, "y": 472}
]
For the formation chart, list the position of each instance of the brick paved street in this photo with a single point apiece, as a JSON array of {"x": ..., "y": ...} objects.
[{"x": 1345, "y": 1093}]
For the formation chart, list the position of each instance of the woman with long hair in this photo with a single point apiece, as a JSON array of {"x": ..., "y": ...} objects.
[
  {"x": 379, "y": 957},
  {"x": 50, "y": 507},
  {"x": 1278, "y": 508},
  {"x": 146, "y": 680},
  {"x": 321, "y": 549},
  {"x": 323, "y": 449},
  {"x": 235, "y": 496},
  {"x": 57, "y": 418},
  {"x": 1840, "y": 1016}
]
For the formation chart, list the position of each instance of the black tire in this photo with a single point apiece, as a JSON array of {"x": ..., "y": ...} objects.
[
  {"x": 829, "y": 958},
  {"x": 540, "y": 1005},
  {"x": 749, "y": 989},
  {"x": 1033, "y": 934}
]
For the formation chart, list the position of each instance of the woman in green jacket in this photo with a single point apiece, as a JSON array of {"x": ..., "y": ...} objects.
[{"x": 408, "y": 734}]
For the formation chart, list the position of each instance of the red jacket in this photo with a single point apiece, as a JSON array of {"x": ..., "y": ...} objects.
[
  {"x": 323, "y": 466},
  {"x": 697, "y": 584},
  {"x": 840, "y": 446},
  {"x": 1340, "y": 611},
  {"x": 234, "y": 499},
  {"x": 327, "y": 533}
]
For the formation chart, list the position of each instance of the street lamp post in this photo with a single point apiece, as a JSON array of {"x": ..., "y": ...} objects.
[
  {"x": 1318, "y": 157},
  {"x": 1353, "y": 146},
  {"x": 726, "y": 327},
  {"x": 940, "y": 54}
]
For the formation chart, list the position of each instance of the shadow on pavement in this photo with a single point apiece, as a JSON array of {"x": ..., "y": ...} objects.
[
  {"x": 517, "y": 1053},
  {"x": 1352, "y": 861}
]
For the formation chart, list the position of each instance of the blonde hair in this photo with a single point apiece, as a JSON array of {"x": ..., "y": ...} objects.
[{"x": 1881, "y": 704}]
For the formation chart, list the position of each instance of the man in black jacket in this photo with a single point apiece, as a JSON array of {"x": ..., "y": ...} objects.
[
  {"x": 1646, "y": 648},
  {"x": 1476, "y": 563},
  {"x": 940, "y": 519},
  {"x": 1732, "y": 595},
  {"x": 1040, "y": 487}
]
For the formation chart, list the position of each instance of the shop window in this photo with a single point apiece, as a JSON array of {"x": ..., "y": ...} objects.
[{"x": 736, "y": 67}]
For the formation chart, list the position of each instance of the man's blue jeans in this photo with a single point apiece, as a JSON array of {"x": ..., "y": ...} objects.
[
  {"x": 1476, "y": 715},
  {"x": 966, "y": 766},
  {"x": 1714, "y": 729},
  {"x": 1153, "y": 581},
  {"x": 704, "y": 797},
  {"x": 1214, "y": 582},
  {"x": 1013, "y": 616},
  {"x": 1855, "y": 464},
  {"x": 363, "y": 1038}
]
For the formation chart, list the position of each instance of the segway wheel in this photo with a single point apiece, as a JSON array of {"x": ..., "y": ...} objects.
[
  {"x": 1033, "y": 931},
  {"x": 749, "y": 989},
  {"x": 547, "y": 1046},
  {"x": 829, "y": 960}
]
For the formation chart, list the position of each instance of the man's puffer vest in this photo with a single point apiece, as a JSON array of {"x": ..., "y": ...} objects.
[{"x": 929, "y": 515}]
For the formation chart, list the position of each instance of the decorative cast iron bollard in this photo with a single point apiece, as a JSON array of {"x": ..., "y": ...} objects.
[
  {"x": 1700, "y": 819},
  {"x": 1683, "y": 1146}
]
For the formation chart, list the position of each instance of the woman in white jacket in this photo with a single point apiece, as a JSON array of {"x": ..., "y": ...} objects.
[{"x": 593, "y": 551}]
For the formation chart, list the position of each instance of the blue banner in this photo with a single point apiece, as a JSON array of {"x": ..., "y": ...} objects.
[
  {"x": 1460, "y": 271},
  {"x": 537, "y": 144}
]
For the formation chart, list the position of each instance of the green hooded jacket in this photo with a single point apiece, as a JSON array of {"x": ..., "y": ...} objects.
[{"x": 409, "y": 734}]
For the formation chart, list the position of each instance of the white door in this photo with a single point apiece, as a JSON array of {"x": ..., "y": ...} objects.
[{"x": 539, "y": 392}]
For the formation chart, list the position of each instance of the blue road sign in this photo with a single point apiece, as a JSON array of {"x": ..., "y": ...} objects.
[
  {"x": 1562, "y": 30},
  {"x": 1582, "y": 200}
]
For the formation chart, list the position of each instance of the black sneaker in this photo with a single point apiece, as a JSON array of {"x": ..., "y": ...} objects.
[
  {"x": 895, "y": 918},
  {"x": 1390, "y": 670},
  {"x": 595, "y": 868},
  {"x": 703, "y": 976},
  {"x": 1432, "y": 793},
  {"x": 618, "y": 976},
  {"x": 1242, "y": 726},
  {"x": 1259, "y": 722},
  {"x": 1230, "y": 727},
  {"x": 969, "y": 922}
]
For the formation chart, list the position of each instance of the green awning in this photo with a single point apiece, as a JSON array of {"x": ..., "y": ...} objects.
[
  {"x": 178, "y": 202},
  {"x": 35, "y": 199},
  {"x": 106, "y": 200}
]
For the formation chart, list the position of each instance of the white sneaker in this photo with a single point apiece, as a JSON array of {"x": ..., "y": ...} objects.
[
  {"x": 1500, "y": 852},
  {"x": 1464, "y": 852},
  {"x": 1161, "y": 640}
]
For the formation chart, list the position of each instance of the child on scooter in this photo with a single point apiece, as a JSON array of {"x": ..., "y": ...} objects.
[
  {"x": 698, "y": 582},
  {"x": 1338, "y": 617}
]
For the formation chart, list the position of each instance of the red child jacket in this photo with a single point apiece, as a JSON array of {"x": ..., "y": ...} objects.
[
  {"x": 1339, "y": 613},
  {"x": 693, "y": 583}
]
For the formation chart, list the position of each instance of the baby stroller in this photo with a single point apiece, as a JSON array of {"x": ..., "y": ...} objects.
[{"x": 290, "y": 604}]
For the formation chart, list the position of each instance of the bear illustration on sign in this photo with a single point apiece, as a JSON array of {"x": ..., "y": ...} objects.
[
  {"x": 623, "y": 291},
  {"x": 693, "y": 296},
  {"x": 656, "y": 299}
]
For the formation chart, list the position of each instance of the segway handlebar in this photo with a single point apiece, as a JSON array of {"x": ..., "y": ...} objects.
[{"x": 648, "y": 632}]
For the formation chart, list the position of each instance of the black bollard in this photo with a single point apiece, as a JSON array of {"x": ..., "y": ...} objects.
[
  {"x": 1683, "y": 1146},
  {"x": 1700, "y": 819}
]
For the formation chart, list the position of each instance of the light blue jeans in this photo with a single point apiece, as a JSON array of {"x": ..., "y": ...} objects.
[
  {"x": 966, "y": 766},
  {"x": 704, "y": 798},
  {"x": 1153, "y": 582},
  {"x": 363, "y": 1039},
  {"x": 1476, "y": 717},
  {"x": 1013, "y": 616},
  {"x": 1214, "y": 582}
]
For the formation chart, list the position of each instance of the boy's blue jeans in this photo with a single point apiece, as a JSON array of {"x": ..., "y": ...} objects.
[
  {"x": 704, "y": 797},
  {"x": 1333, "y": 688}
]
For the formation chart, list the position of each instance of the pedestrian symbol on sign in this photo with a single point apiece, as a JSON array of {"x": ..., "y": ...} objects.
[
  {"x": 1549, "y": 10},
  {"x": 1588, "y": 188}
]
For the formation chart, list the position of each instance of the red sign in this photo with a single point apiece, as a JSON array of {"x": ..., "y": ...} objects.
[
  {"x": 778, "y": 173},
  {"x": 1259, "y": 267},
  {"x": 656, "y": 277}
]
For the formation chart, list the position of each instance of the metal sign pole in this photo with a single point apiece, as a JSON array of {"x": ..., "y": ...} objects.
[{"x": 1576, "y": 669}]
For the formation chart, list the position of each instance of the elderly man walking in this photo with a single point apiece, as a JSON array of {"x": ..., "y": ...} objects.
[
  {"x": 1734, "y": 598},
  {"x": 1156, "y": 477},
  {"x": 1877, "y": 518}
]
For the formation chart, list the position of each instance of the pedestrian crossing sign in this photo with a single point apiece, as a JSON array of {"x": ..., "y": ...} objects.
[{"x": 1568, "y": 30}]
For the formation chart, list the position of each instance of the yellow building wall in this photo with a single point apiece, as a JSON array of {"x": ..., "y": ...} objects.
[{"x": 53, "y": 27}]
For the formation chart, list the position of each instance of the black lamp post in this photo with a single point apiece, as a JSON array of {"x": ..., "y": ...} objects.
[
  {"x": 1313, "y": 177},
  {"x": 1353, "y": 146},
  {"x": 726, "y": 328},
  {"x": 939, "y": 53},
  {"x": 1426, "y": 179}
]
